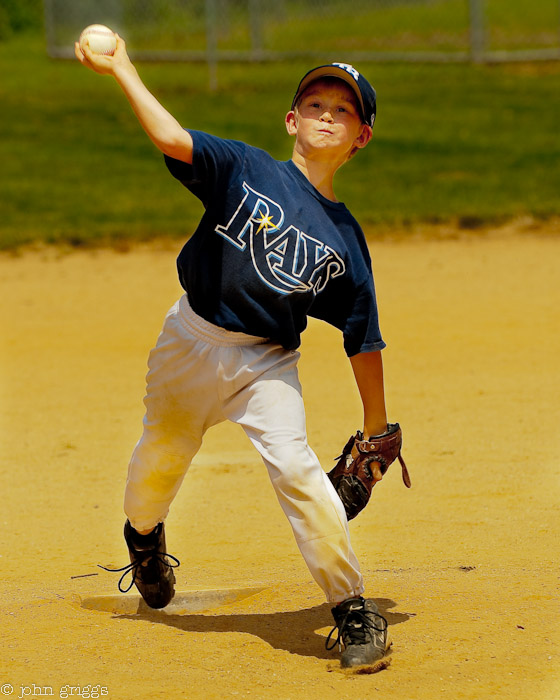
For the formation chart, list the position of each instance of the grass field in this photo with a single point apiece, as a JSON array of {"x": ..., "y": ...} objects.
[{"x": 452, "y": 142}]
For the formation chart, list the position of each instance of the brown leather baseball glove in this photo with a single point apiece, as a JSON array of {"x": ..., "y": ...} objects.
[{"x": 362, "y": 464}]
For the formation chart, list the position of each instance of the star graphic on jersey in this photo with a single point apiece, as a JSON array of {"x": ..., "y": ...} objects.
[{"x": 266, "y": 223}]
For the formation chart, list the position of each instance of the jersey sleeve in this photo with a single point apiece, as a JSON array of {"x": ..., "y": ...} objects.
[
  {"x": 215, "y": 163},
  {"x": 353, "y": 310},
  {"x": 361, "y": 330}
]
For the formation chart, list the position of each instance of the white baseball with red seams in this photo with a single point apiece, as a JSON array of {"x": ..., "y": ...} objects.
[{"x": 100, "y": 38}]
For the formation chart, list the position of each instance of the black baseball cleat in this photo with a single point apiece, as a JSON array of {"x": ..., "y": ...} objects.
[
  {"x": 151, "y": 570},
  {"x": 363, "y": 632}
]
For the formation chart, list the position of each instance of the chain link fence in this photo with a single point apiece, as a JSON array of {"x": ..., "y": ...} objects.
[{"x": 355, "y": 30}]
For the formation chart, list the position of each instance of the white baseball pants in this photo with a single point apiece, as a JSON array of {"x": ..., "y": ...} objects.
[{"x": 199, "y": 375}]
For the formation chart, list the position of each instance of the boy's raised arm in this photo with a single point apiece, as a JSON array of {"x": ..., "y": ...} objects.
[{"x": 162, "y": 128}]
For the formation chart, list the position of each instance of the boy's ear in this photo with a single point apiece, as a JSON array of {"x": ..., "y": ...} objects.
[
  {"x": 365, "y": 136},
  {"x": 291, "y": 123}
]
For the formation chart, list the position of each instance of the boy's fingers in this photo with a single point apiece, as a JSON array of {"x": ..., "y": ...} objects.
[
  {"x": 121, "y": 46},
  {"x": 80, "y": 54},
  {"x": 100, "y": 63},
  {"x": 88, "y": 53},
  {"x": 97, "y": 62}
]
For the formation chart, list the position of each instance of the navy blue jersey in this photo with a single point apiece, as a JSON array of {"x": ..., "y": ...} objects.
[{"x": 270, "y": 250}]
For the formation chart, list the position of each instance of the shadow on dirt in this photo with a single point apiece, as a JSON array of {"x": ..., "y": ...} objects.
[{"x": 296, "y": 631}]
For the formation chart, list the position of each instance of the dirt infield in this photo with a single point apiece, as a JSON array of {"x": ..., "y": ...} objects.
[{"x": 464, "y": 565}]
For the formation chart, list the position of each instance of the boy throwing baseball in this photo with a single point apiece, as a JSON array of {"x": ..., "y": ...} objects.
[{"x": 274, "y": 246}]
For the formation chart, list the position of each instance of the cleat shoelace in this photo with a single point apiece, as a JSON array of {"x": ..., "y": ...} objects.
[
  {"x": 137, "y": 563},
  {"x": 355, "y": 625}
]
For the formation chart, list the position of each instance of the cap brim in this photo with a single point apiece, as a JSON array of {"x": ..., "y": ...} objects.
[{"x": 329, "y": 72}]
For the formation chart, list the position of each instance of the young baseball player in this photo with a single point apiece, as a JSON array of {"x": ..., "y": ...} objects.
[{"x": 274, "y": 246}]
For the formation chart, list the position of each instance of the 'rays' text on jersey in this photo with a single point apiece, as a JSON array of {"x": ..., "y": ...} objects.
[{"x": 285, "y": 258}]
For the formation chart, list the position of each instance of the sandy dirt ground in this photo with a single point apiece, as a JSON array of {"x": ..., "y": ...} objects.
[{"x": 464, "y": 565}]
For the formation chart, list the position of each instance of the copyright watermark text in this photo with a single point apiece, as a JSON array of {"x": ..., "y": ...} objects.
[{"x": 88, "y": 692}]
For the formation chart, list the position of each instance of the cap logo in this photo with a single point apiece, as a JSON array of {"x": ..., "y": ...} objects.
[{"x": 349, "y": 69}]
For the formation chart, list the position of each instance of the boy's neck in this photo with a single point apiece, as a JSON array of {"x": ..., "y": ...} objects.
[{"x": 319, "y": 174}]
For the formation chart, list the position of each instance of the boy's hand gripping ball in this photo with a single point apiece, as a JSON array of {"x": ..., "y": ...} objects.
[{"x": 100, "y": 38}]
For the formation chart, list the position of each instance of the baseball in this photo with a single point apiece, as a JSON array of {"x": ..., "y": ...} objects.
[{"x": 101, "y": 39}]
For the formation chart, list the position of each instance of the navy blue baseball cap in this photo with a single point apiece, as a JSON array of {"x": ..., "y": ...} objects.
[{"x": 344, "y": 71}]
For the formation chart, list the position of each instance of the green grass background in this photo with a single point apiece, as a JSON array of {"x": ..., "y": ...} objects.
[
  {"x": 289, "y": 25},
  {"x": 466, "y": 143}
]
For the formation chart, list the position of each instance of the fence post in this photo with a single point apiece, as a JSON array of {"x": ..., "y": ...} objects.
[
  {"x": 255, "y": 23},
  {"x": 477, "y": 30},
  {"x": 212, "y": 43},
  {"x": 49, "y": 27}
]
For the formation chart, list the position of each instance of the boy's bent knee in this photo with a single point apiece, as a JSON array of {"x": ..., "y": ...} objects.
[{"x": 296, "y": 470}]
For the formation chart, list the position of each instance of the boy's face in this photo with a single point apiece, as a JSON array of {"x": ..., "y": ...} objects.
[{"x": 327, "y": 121}]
